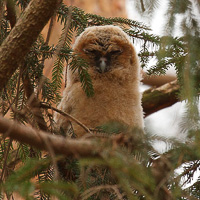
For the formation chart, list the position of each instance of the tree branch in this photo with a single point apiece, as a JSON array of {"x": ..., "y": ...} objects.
[
  {"x": 23, "y": 35},
  {"x": 155, "y": 80},
  {"x": 71, "y": 118},
  {"x": 11, "y": 13},
  {"x": 155, "y": 99},
  {"x": 38, "y": 139}
]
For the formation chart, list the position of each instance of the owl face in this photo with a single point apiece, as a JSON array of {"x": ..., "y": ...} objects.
[
  {"x": 105, "y": 48},
  {"x": 101, "y": 56}
]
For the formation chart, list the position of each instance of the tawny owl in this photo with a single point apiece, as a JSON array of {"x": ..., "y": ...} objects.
[{"x": 115, "y": 74}]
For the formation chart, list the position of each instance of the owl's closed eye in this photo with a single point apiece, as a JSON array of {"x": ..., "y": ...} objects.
[{"x": 102, "y": 59}]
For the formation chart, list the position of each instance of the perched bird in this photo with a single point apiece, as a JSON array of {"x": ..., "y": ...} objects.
[{"x": 115, "y": 73}]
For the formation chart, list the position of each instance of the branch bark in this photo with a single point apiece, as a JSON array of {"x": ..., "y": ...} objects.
[
  {"x": 23, "y": 35},
  {"x": 39, "y": 139},
  {"x": 156, "y": 99},
  {"x": 157, "y": 81}
]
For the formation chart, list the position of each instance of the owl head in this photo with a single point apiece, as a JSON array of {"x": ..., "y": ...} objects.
[{"x": 107, "y": 49}]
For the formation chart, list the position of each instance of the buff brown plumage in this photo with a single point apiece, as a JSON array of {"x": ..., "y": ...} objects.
[{"x": 115, "y": 73}]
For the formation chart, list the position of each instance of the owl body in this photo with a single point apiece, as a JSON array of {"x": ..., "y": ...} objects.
[{"x": 114, "y": 70}]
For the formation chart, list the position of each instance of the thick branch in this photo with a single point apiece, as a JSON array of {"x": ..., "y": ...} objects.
[
  {"x": 155, "y": 80},
  {"x": 23, "y": 35},
  {"x": 156, "y": 99},
  {"x": 38, "y": 139}
]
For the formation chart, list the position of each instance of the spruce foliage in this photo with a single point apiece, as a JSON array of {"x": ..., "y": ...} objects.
[{"x": 129, "y": 168}]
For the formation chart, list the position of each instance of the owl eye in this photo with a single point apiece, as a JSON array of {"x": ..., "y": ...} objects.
[
  {"x": 115, "y": 52},
  {"x": 90, "y": 51}
]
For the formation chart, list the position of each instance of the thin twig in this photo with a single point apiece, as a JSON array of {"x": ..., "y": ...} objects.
[
  {"x": 11, "y": 12},
  {"x": 96, "y": 189},
  {"x": 44, "y": 105},
  {"x": 2, "y": 4},
  {"x": 51, "y": 23},
  {"x": 142, "y": 5}
]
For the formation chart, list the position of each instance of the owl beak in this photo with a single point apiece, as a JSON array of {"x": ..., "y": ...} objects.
[{"x": 102, "y": 67}]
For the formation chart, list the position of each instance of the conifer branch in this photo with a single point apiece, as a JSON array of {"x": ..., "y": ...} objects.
[{"x": 31, "y": 23}]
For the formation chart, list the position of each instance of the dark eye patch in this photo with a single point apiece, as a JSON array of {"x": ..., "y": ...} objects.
[
  {"x": 90, "y": 51},
  {"x": 115, "y": 52}
]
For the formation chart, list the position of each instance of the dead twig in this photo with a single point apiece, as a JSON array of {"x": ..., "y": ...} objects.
[
  {"x": 44, "y": 105},
  {"x": 11, "y": 12},
  {"x": 88, "y": 193}
]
